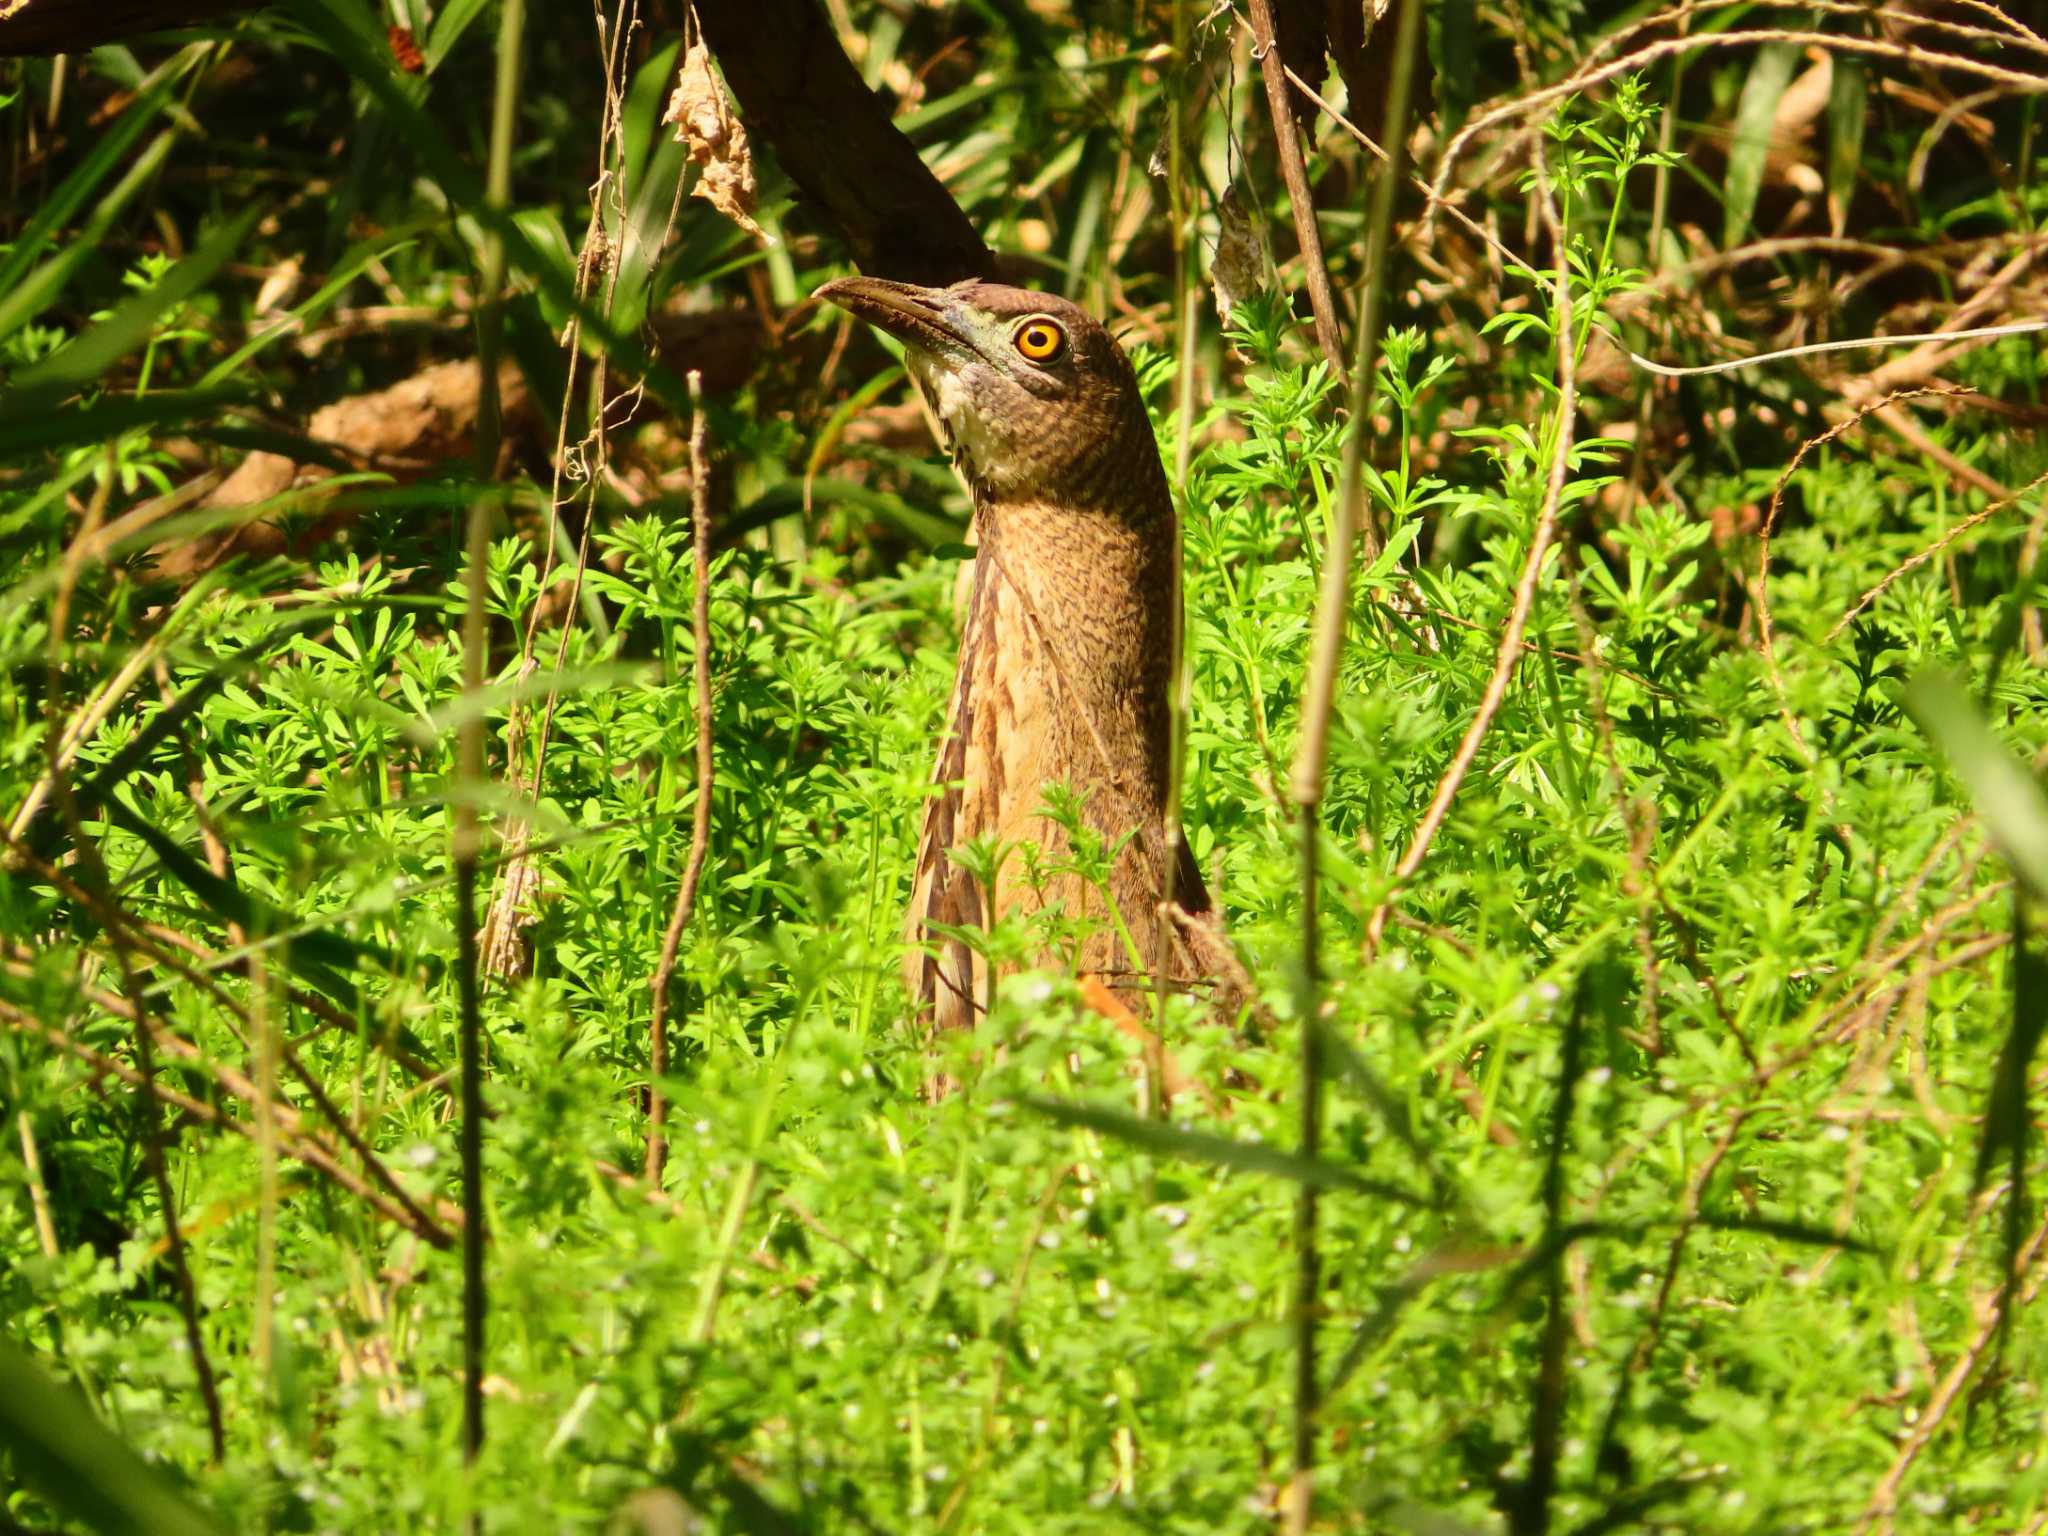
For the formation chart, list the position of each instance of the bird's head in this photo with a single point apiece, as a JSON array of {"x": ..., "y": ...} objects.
[{"x": 1036, "y": 398}]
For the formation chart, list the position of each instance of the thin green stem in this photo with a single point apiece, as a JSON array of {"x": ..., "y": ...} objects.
[
  {"x": 1333, "y": 606},
  {"x": 1180, "y": 677},
  {"x": 469, "y": 833}
]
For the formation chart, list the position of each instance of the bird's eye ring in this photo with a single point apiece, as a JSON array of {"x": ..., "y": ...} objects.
[{"x": 1039, "y": 340}]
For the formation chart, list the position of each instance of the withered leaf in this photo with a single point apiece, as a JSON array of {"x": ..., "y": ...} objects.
[
  {"x": 1237, "y": 272},
  {"x": 717, "y": 141}
]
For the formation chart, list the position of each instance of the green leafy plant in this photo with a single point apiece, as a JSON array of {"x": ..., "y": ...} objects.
[{"x": 1677, "y": 1000}]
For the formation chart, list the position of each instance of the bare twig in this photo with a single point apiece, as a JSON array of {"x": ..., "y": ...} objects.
[
  {"x": 1921, "y": 1430},
  {"x": 131, "y": 937},
  {"x": 38, "y": 1191},
  {"x": 1934, "y": 351},
  {"x": 93, "y": 868},
  {"x": 1909, "y": 432},
  {"x": 518, "y": 880},
  {"x": 1300, "y": 197},
  {"x": 1509, "y": 652},
  {"x": 1530, "y": 102},
  {"x": 1914, "y": 562},
  {"x": 700, "y": 818},
  {"x": 1437, "y": 203},
  {"x": 302, "y": 1147},
  {"x": 1851, "y": 344}
]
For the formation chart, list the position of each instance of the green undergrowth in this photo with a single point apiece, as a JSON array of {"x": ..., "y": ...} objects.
[{"x": 1657, "y": 1098}]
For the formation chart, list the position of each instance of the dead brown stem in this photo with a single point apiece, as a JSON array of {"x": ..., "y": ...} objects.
[
  {"x": 1530, "y": 102},
  {"x": 307, "y": 1149},
  {"x": 1915, "y": 561},
  {"x": 1509, "y": 652},
  {"x": 1300, "y": 198},
  {"x": 700, "y": 819},
  {"x": 38, "y": 1191},
  {"x": 1877, "y": 1514}
]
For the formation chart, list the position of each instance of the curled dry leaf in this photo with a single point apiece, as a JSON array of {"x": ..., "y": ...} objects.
[
  {"x": 1237, "y": 272},
  {"x": 718, "y": 143}
]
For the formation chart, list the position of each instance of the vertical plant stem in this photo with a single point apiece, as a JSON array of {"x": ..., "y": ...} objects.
[
  {"x": 1509, "y": 652},
  {"x": 1529, "y": 1508},
  {"x": 1187, "y": 288},
  {"x": 469, "y": 831},
  {"x": 712, "y": 1290},
  {"x": 1181, "y": 211},
  {"x": 516, "y": 878},
  {"x": 1660, "y": 205},
  {"x": 700, "y": 819},
  {"x": 1294, "y": 170},
  {"x": 1333, "y": 601},
  {"x": 1308, "y": 1268},
  {"x": 265, "y": 1042},
  {"x": 38, "y": 1191},
  {"x": 1333, "y": 605},
  {"x": 94, "y": 877},
  {"x": 159, "y": 1172},
  {"x": 468, "y": 841}
]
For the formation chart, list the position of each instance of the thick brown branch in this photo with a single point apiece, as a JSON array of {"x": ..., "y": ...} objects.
[
  {"x": 858, "y": 175},
  {"x": 73, "y": 26}
]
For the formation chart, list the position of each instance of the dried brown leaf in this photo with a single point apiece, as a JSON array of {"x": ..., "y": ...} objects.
[
  {"x": 1237, "y": 272},
  {"x": 718, "y": 143}
]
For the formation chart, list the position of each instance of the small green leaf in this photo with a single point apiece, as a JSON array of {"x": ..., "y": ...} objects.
[
  {"x": 1755, "y": 115},
  {"x": 1848, "y": 99}
]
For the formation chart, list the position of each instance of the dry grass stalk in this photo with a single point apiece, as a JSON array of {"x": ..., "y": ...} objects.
[{"x": 700, "y": 819}]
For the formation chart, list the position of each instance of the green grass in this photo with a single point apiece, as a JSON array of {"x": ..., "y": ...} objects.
[{"x": 1673, "y": 1118}]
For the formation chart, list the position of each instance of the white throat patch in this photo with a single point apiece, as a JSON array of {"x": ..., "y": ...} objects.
[{"x": 963, "y": 424}]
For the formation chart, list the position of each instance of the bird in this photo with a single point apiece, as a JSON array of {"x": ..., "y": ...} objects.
[{"x": 1067, "y": 650}]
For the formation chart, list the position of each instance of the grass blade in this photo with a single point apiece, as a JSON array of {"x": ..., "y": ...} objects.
[
  {"x": 78, "y": 1464},
  {"x": 78, "y": 364},
  {"x": 2003, "y": 789},
  {"x": 1221, "y": 1151},
  {"x": 1848, "y": 104},
  {"x": 1755, "y": 117}
]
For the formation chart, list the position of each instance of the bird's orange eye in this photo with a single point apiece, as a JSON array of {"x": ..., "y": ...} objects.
[{"x": 1040, "y": 341}]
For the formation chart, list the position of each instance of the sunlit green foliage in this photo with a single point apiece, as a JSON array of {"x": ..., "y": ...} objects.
[{"x": 1713, "y": 889}]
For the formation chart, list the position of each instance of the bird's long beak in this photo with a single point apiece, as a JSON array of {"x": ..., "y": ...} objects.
[{"x": 918, "y": 317}]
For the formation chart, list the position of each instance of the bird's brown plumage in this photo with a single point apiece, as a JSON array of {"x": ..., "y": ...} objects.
[{"x": 1066, "y": 654}]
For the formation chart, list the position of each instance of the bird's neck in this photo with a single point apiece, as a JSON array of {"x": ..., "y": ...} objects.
[{"x": 1099, "y": 592}]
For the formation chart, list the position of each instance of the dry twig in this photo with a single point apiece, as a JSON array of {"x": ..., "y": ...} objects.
[
  {"x": 1877, "y": 1514},
  {"x": 1509, "y": 652},
  {"x": 700, "y": 819},
  {"x": 1915, "y": 561},
  {"x": 1583, "y": 79},
  {"x": 1300, "y": 198}
]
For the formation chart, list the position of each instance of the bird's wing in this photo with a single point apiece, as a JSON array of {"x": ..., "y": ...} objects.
[
  {"x": 1000, "y": 750},
  {"x": 939, "y": 972}
]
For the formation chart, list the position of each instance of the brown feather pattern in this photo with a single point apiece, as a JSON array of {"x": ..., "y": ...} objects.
[{"x": 1066, "y": 651}]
